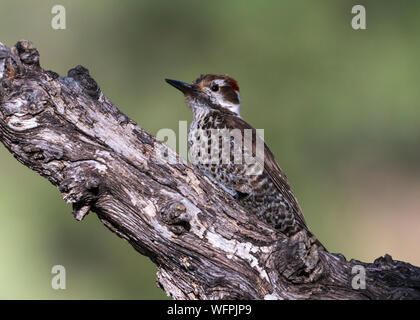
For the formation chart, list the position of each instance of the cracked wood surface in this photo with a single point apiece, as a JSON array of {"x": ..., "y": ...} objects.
[{"x": 205, "y": 245}]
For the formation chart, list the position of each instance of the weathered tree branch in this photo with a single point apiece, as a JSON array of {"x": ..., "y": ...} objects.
[{"x": 204, "y": 244}]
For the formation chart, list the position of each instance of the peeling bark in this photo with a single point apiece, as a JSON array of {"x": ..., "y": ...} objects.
[{"x": 205, "y": 245}]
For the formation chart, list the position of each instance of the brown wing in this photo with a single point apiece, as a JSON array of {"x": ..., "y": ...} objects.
[
  {"x": 271, "y": 168},
  {"x": 279, "y": 179}
]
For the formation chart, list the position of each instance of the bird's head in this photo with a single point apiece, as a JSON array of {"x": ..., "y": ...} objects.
[{"x": 213, "y": 91}]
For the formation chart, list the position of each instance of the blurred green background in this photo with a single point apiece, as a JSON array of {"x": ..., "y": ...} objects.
[{"x": 340, "y": 109}]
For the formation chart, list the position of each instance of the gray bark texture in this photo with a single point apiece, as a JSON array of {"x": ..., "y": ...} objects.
[{"x": 204, "y": 244}]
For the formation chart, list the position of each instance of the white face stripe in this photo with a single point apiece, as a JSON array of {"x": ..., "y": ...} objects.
[
  {"x": 239, "y": 96},
  {"x": 220, "y": 82},
  {"x": 234, "y": 107},
  {"x": 217, "y": 98}
]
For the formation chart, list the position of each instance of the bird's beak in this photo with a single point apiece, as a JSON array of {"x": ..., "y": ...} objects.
[{"x": 185, "y": 88}]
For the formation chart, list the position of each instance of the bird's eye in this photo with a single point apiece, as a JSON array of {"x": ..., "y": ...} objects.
[{"x": 214, "y": 87}]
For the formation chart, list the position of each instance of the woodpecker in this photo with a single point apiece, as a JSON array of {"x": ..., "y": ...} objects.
[{"x": 215, "y": 102}]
